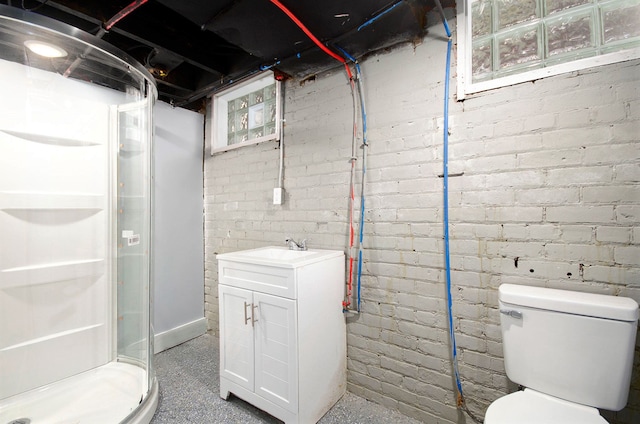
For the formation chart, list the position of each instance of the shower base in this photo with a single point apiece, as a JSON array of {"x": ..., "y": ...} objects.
[{"x": 107, "y": 394}]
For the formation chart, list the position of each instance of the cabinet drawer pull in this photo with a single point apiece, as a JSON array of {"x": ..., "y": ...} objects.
[
  {"x": 253, "y": 319},
  {"x": 246, "y": 316}
]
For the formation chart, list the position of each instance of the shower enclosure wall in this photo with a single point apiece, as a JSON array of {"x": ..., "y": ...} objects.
[{"x": 75, "y": 140}]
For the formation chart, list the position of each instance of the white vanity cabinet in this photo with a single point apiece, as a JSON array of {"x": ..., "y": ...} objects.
[{"x": 282, "y": 330}]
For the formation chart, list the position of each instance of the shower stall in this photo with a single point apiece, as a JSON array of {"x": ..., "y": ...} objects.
[{"x": 75, "y": 146}]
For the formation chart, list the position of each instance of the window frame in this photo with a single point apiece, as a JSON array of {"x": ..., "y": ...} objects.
[{"x": 466, "y": 87}]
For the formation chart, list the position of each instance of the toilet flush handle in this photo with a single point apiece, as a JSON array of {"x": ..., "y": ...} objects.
[{"x": 511, "y": 313}]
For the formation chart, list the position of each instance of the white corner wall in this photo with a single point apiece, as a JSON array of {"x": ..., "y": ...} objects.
[{"x": 178, "y": 270}]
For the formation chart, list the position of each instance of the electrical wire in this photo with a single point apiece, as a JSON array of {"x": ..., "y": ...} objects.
[{"x": 447, "y": 257}]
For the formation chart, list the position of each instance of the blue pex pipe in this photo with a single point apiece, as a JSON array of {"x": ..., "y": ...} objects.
[
  {"x": 445, "y": 160},
  {"x": 380, "y": 15},
  {"x": 267, "y": 67},
  {"x": 447, "y": 256}
]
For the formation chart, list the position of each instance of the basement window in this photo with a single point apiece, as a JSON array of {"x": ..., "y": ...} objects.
[
  {"x": 246, "y": 113},
  {"x": 505, "y": 42}
]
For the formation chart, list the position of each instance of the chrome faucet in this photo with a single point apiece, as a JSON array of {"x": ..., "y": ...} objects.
[{"x": 294, "y": 245}]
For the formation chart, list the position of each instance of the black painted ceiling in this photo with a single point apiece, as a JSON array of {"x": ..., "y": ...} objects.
[{"x": 193, "y": 47}]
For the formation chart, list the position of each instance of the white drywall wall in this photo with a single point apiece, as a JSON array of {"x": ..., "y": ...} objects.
[{"x": 178, "y": 308}]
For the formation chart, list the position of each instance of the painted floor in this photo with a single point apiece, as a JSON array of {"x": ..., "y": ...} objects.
[{"x": 189, "y": 393}]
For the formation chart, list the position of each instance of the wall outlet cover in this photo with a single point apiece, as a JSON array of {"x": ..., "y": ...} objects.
[{"x": 277, "y": 196}]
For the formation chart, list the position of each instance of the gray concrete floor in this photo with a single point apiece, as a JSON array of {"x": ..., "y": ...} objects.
[{"x": 189, "y": 393}]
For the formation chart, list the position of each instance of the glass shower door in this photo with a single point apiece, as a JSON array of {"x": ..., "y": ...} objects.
[{"x": 134, "y": 344}]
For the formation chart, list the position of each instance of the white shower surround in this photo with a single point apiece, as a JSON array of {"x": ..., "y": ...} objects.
[{"x": 58, "y": 341}]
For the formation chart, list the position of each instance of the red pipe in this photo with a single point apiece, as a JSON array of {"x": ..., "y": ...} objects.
[
  {"x": 347, "y": 303},
  {"x": 123, "y": 13},
  {"x": 312, "y": 37}
]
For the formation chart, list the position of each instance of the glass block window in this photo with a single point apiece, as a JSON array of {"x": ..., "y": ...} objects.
[
  {"x": 246, "y": 113},
  {"x": 252, "y": 115},
  {"x": 509, "y": 37}
]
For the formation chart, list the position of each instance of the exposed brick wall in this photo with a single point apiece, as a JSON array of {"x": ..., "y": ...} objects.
[{"x": 551, "y": 177}]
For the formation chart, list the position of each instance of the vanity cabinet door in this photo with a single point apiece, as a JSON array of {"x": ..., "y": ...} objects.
[
  {"x": 236, "y": 335},
  {"x": 276, "y": 350}
]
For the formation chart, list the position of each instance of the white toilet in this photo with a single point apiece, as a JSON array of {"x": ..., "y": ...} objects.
[{"x": 573, "y": 353}]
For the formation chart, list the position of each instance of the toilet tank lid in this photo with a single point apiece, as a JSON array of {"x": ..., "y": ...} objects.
[{"x": 571, "y": 302}]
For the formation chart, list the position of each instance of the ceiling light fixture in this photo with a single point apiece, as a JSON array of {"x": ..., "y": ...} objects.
[{"x": 45, "y": 49}]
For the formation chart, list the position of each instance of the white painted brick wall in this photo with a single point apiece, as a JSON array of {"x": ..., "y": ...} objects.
[{"x": 551, "y": 178}]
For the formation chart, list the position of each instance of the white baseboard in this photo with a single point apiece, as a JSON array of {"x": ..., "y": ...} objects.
[{"x": 175, "y": 336}]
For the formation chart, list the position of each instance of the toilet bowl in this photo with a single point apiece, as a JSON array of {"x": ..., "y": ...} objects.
[{"x": 572, "y": 351}]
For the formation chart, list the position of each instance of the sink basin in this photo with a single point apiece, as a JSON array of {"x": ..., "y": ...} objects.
[{"x": 278, "y": 256}]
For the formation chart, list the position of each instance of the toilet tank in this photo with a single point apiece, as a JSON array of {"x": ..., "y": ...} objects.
[{"x": 574, "y": 346}]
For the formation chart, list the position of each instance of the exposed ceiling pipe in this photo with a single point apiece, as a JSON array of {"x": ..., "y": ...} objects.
[
  {"x": 384, "y": 11},
  {"x": 342, "y": 60},
  {"x": 313, "y": 38},
  {"x": 380, "y": 14},
  {"x": 304, "y": 29},
  {"x": 224, "y": 10},
  {"x": 123, "y": 13},
  {"x": 127, "y": 34},
  {"x": 208, "y": 89},
  {"x": 103, "y": 30}
]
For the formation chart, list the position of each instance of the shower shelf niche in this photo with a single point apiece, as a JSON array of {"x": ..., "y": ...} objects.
[
  {"x": 49, "y": 139},
  {"x": 30, "y": 200},
  {"x": 27, "y": 276}
]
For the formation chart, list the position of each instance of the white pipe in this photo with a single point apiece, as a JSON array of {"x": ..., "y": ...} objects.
[{"x": 280, "y": 97}]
